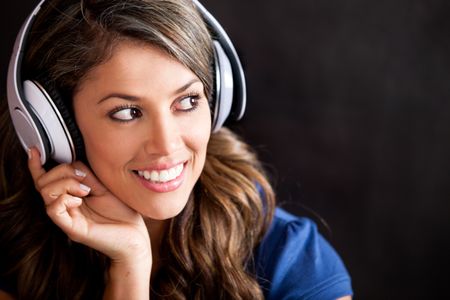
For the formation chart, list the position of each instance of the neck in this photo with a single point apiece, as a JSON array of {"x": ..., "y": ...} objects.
[{"x": 157, "y": 229}]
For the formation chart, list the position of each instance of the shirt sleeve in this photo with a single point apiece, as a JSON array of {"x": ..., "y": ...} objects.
[{"x": 295, "y": 262}]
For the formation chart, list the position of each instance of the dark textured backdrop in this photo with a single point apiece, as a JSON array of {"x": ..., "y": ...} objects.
[{"x": 349, "y": 107}]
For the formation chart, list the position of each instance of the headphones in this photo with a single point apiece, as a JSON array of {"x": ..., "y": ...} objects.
[{"x": 41, "y": 119}]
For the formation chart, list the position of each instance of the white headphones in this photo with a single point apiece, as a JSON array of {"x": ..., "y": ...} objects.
[{"x": 41, "y": 119}]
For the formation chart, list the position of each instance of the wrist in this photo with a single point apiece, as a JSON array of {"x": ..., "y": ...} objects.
[
  {"x": 138, "y": 266},
  {"x": 128, "y": 280}
]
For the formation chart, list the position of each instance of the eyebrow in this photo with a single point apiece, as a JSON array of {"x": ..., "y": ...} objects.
[{"x": 135, "y": 98}]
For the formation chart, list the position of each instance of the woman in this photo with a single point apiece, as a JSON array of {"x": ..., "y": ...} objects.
[{"x": 157, "y": 206}]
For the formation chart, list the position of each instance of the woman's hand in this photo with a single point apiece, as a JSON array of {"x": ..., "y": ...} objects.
[{"x": 90, "y": 214}]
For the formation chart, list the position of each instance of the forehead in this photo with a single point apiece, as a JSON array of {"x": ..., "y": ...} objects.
[{"x": 137, "y": 67}]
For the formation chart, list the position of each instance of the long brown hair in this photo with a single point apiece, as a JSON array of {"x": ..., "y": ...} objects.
[{"x": 209, "y": 245}]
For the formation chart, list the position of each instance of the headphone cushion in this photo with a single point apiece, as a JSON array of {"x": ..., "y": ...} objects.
[
  {"x": 66, "y": 113},
  {"x": 224, "y": 87}
]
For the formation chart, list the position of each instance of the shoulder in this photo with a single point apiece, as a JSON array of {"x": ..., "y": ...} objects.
[{"x": 294, "y": 261}]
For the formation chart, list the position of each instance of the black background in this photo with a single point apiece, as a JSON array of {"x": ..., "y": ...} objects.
[{"x": 349, "y": 109}]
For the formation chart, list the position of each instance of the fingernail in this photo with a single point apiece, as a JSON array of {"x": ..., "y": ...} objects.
[
  {"x": 80, "y": 173},
  {"x": 85, "y": 188},
  {"x": 29, "y": 153},
  {"x": 74, "y": 201}
]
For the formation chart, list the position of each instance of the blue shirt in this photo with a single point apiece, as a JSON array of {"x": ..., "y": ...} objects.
[{"x": 295, "y": 262}]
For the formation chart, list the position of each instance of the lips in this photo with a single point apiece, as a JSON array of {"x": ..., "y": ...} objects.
[
  {"x": 161, "y": 176},
  {"x": 162, "y": 180}
]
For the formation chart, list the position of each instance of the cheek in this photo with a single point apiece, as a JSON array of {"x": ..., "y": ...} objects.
[
  {"x": 100, "y": 155},
  {"x": 98, "y": 148},
  {"x": 199, "y": 135},
  {"x": 100, "y": 140},
  {"x": 108, "y": 162},
  {"x": 109, "y": 147},
  {"x": 102, "y": 146}
]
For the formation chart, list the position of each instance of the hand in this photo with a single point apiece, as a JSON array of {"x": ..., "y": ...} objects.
[{"x": 90, "y": 214}]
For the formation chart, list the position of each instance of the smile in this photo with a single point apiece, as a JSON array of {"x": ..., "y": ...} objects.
[{"x": 161, "y": 176}]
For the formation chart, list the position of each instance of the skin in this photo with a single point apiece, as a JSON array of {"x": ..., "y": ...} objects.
[
  {"x": 166, "y": 133},
  {"x": 109, "y": 207}
]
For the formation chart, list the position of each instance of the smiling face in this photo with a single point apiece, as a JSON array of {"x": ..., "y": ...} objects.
[{"x": 145, "y": 121}]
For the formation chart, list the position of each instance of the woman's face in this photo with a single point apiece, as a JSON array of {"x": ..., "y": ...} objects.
[{"x": 146, "y": 124}]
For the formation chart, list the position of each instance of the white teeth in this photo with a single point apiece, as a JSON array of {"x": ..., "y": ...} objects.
[
  {"x": 178, "y": 169},
  {"x": 154, "y": 176},
  {"x": 162, "y": 175}
]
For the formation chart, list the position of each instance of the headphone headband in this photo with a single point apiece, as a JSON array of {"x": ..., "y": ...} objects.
[{"x": 23, "y": 122}]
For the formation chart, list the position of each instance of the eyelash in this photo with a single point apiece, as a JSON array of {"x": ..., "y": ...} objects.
[
  {"x": 192, "y": 96},
  {"x": 120, "y": 108}
]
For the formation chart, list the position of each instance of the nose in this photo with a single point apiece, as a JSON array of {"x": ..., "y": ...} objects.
[{"x": 163, "y": 135}]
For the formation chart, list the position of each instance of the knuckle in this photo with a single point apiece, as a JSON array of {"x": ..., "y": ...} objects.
[
  {"x": 51, "y": 209},
  {"x": 74, "y": 237},
  {"x": 45, "y": 192},
  {"x": 38, "y": 183},
  {"x": 60, "y": 171},
  {"x": 55, "y": 207},
  {"x": 63, "y": 199}
]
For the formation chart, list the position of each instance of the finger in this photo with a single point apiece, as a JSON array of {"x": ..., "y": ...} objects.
[
  {"x": 97, "y": 188},
  {"x": 59, "y": 172},
  {"x": 69, "y": 186},
  {"x": 34, "y": 164},
  {"x": 58, "y": 211},
  {"x": 115, "y": 207}
]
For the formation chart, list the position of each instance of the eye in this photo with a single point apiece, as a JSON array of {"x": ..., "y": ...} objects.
[
  {"x": 125, "y": 114},
  {"x": 187, "y": 103}
]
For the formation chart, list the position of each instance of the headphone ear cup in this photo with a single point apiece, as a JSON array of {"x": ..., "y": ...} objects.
[
  {"x": 227, "y": 65},
  {"x": 223, "y": 94},
  {"x": 64, "y": 137},
  {"x": 30, "y": 131}
]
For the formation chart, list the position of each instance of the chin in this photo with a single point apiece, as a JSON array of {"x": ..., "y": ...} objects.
[{"x": 164, "y": 212}]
